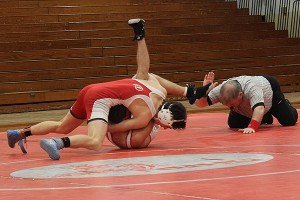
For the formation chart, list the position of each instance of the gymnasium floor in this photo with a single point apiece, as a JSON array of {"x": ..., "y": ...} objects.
[{"x": 207, "y": 161}]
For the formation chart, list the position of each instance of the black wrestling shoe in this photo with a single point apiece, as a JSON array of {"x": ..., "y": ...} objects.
[
  {"x": 194, "y": 93},
  {"x": 190, "y": 94},
  {"x": 138, "y": 26}
]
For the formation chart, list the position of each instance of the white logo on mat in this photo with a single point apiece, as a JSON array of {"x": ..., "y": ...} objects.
[{"x": 143, "y": 165}]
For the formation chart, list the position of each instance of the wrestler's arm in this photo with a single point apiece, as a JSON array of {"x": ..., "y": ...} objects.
[
  {"x": 140, "y": 138},
  {"x": 137, "y": 122}
]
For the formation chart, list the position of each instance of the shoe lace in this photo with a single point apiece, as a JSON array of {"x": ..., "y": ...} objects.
[{"x": 21, "y": 144}]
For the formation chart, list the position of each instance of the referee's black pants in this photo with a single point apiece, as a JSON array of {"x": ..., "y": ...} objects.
[{"x": 281, "y": 109}]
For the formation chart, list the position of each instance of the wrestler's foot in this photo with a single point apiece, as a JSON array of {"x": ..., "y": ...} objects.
[
  {"x": 138, "y": 26},
  {"x": 194, "y": 93},
  {"x": 13, "y": 136},
  {"x": 16, "y": 136},
  {"x": 51, "y": 146},
  {"x": 190, "y": 94}
]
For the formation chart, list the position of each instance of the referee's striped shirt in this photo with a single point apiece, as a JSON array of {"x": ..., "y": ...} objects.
[{"x": 256, "y": 90}]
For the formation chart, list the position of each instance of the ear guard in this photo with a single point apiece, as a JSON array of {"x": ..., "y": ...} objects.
[{"x": 165, "y": 116}]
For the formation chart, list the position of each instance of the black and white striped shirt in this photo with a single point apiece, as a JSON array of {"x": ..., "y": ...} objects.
[{"x": 256, "y": 90}]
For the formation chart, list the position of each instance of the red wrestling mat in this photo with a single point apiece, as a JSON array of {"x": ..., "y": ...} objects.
[{"x": 206, "y": 161}]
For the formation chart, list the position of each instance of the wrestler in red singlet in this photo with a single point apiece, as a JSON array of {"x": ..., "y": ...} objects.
[{"x": 94, "y": 101}]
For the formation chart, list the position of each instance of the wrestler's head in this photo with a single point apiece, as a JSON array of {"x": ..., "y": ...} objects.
[
  {"x": 118, "y": 113},
  {"x": 171, "y": 115}
]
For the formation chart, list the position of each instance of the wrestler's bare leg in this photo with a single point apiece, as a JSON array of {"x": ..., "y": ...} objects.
[
  {"x": 143, "y": 60},
  {"x": 64, "y": 126},
  {"x": 96, "y": 133},
  {"x": 172, "y": 88},
  {"x": 93, "y": 141}
]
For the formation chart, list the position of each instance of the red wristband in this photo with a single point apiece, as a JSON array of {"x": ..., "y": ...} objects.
[{"x": 254, "y": 124}]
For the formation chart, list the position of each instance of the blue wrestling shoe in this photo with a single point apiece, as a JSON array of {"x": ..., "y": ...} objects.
[
  {"x": 13, "y": 137},
  {"x": 51, "y": 146}
]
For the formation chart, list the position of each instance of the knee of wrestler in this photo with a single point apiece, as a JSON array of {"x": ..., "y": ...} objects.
[
  {"x": 93, "y": 143},
  {"x": 140, "y": 137}
]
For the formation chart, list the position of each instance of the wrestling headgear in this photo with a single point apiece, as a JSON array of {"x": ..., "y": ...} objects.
[{"x": 165, "y": 116}]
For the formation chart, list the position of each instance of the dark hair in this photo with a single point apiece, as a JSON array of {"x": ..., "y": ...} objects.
[
  {"x": 178, "y": 112},
  {"x": 117, "y": 114}
]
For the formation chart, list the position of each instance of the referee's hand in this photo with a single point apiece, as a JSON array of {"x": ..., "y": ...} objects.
[{"x": 247, "y": 130}]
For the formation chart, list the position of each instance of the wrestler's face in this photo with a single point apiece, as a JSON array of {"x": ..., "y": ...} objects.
[
  {"x": 157, "y": 121},
  {"x": 163, "y": 118}
]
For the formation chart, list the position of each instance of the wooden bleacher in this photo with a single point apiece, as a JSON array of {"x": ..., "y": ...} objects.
[{"x": 50, "y": 49}]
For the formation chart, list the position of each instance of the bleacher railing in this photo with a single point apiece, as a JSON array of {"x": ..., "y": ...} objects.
[{"x": 284, "y": 13}]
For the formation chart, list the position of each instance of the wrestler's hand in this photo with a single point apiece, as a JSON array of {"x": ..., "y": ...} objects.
[{"x": 247, "y": 130}]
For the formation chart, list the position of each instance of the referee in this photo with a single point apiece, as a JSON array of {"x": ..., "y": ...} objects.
[{"x": 253, "y": 100}]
